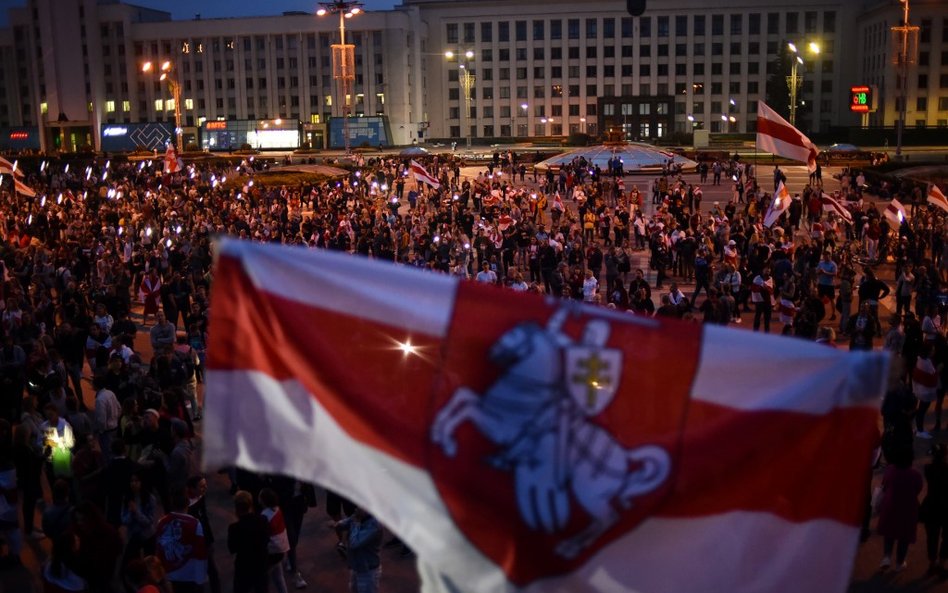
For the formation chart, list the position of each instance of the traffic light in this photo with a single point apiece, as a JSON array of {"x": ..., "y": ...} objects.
[{"x": 635, "y": 7}]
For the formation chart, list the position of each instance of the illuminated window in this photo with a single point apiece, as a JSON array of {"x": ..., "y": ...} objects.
[
  {"x": 189, "y": 103},
  {"x": 44, "y": 107},
  {"x": 159, "y": 105},
  {"x": 328, "y": 101},
  {"x": 90, "y": 107},
  {"x": 314, "y": 118},
  {"x": 381, "y": 98},
  {"x": 126, "y": 106},
  {"x": 110, "y": 106},
  {"x": 169, "y": 104}
]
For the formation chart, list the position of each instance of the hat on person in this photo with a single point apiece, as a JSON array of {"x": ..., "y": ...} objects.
[
  {"x": 731, "y": 243},
  {"x": 152, "y": 411}
]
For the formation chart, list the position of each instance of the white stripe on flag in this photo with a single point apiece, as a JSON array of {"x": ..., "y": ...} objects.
[
  {"x": 419, "y": 301},
  {"x": 936, "y": 197},
  {"x": 751, "y": 373},
  {"x": 647, "y": 559},
  {"x": 421, "y": 174}
]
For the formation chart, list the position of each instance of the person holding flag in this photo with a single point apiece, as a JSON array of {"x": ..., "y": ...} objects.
[
  {"x": 776, "y": 136},
  {"x": 779, "y": 205}
]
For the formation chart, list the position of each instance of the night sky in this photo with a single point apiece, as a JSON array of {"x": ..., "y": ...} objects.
[{"x": 186, "y": 9}]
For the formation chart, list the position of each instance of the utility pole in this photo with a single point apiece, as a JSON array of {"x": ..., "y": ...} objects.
[{"x": 908, "y": 44}]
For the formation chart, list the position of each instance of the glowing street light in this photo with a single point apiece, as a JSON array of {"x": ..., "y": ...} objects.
[
  {"x": 167, "y": 74},
  {"x": 343, "y": 55}
]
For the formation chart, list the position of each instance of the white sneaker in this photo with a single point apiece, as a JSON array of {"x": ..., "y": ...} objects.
[
  {"x": 924, "y": 435},
  {"x": 886, "y": 562},
  {"x": 298, "y": 581}
]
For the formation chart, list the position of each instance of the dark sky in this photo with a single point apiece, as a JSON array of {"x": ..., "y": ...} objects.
[{"x": 186, "y": 9}]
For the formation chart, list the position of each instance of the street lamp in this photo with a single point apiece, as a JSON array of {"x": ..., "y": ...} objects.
[
  {"x": 466, "y": 81},
  {"x": 795, "y": 81},
  {"x": 168, "y": 74},
  {"x": 908, "y": 46},
  {"x": 343, "y": 56},
  {"x": 582, "y": 120}
]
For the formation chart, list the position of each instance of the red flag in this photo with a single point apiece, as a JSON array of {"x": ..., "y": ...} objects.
[
  {"x": 422, "y": 175},
  {"x": 831, "y": 204},
  {"x": 607, "y": 451},
  {"x": 173, "y": 163},
  {"x": 777, "y": 136},
  {"x": 936, "y": 197}
]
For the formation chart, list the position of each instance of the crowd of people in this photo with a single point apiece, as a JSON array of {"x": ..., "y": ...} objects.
[{"x": 105, "y": 241}]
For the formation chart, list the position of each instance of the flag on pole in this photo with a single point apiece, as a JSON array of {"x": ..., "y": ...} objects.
[
  {"x": 23, "y": 189},
  {"x": 778, "y": 206},
  {"x": 422, "y": 175},
  {"x": 895, "y": 213},
  {"x": 173, "y": 162},
  {"x": 831, "y": 204},
  {"x": 936, "y": 197},
  {"x": 10, "y": 168},
  {"x": 777, "y": 136},
  {"x": 602, "y": 466}
]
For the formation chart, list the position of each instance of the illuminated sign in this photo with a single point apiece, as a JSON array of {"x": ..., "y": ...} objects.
[
  {"x": 860, "y": 99},
  {"x": 19, "y": 135},
  {"x": 114, "y": 131},
  {"x": 216, "y": 125}
]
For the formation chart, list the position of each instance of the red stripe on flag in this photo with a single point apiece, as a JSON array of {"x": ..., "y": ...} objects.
[{"x": 788, "y": 134}]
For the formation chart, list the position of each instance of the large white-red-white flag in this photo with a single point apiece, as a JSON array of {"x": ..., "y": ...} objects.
[
  {"x": 519, "y": 443},
  {"x": 936, "y": 197},
  {"x": 777, "y": 136},
  {"x": 894, "y": 213},
  {"x": 831, "y": 204},
  {"x": 781, "y": 201},
  {"x": 421, "y": 174}
]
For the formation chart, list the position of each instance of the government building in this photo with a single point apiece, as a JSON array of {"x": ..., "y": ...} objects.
[{"x": 74, "y": 72}]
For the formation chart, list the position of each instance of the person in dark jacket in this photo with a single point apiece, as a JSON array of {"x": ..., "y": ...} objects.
[
  {"x": 247, "y": 540},
  {"x": 934, "y": 510}
]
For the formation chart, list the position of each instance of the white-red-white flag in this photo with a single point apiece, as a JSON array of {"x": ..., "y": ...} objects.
[
  {"x": 607, "y": 451},
  {"x": 781, "y": 201},
  {"x": 421, "y": 174},
  {"x": 8, "y": 168},
  {"x": 831, "y": 204},
  {"x": 23, "y": 189},
  {"x": 173, "y": 162},
  {"x": 777, "y": 136},
  {"x": 895, "y": 213},
  {"x": 936, "y": 197}
]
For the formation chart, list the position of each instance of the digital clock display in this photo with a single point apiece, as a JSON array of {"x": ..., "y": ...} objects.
[{"x": 860, "y": 99}]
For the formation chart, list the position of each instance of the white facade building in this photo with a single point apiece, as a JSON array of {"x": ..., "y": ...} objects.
[{"x": 540, "y": 67}]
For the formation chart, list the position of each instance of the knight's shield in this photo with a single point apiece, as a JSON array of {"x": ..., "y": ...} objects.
[{"x": 592, "y": 376}]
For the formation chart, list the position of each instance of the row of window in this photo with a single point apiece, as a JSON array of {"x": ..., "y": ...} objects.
[
  {"x": 542, "y": 29},
  {"x": 625, "y": 70},
  {"x": 921, "y": 104},
  {"x": 258, "y": 42},
  {"x": 682, "y": 51}
]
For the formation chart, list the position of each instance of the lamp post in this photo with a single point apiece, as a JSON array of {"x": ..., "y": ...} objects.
[
  {"x": 582, "y": 121},
  {"x": 795, "y": 81},
  {"x": 343, "y": 56},
  {"x": 466, "y": 81},
  {"x": 526, "y": 118},
  {"x": 168, "y": 74},
  {"x": 907, "y": 34}
]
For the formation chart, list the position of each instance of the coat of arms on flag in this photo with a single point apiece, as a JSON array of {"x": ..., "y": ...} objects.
[{"x": 515, "y": 441}]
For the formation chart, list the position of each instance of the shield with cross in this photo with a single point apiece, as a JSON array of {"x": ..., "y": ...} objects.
[{"x": 592, "y": 376}]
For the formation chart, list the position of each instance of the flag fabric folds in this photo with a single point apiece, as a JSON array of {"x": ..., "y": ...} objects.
[
  {"x": 521, "y": 443},
  {"x": 173, "y": 162},
  {"x": 937, "y": 198},
  {"x": 831, "y": 204},
  {"x": 421, "y": 174},
  {"x": 781, "y": 201},
  {"x": 23, "y": 189},
  {"x": 777, "y": 136},
  {"x": 895, "y": 213},
  {"x": 8, "y": 168}
]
